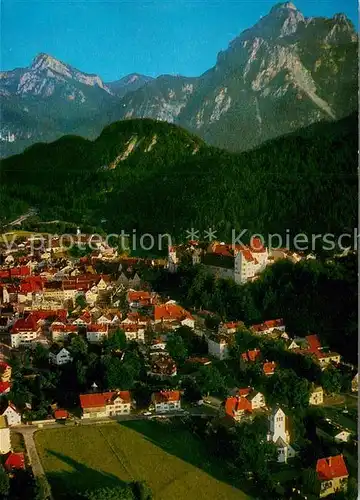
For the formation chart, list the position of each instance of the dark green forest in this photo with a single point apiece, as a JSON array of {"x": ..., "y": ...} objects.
[{"x": 303, "y": 182}]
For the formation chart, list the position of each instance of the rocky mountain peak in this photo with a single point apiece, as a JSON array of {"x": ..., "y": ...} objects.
[
  {"x": 44, "y": 61},
  {"x": 281, "y": 6}
]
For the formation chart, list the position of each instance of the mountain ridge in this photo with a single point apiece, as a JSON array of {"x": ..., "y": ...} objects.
[
  {"x": 154, "y": 177},
  {"x": 285, "y": 72}
]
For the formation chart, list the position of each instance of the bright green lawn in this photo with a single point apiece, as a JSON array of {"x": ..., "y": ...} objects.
[{"x": 170, "y": 459}]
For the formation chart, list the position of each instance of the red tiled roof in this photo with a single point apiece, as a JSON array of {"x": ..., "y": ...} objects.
[
  {"x": 256, "y": 245},
  {"x": 313, "y": 342},
  {"x": 223, "y": 250},
  {"x": 20, "y": 271},
  {"x": 4, "y": 366},
  {"x": 166, "y": 396},
  {"x": 244, "y": 392},
  {"x": 101, "y": 399},
  {"x": 247, "y": 255},
  {"x": 235, "y": 404},
  {"x": 15, "y": 461},
  {"x": 25, "y": 325},
  {"x": 271, "y": 323},
  {"x": 233, "y": 324},
  {"x": 331, "y": 467},
  {"x": 59, "y": 414},
  {"x": 170, "y": 312},
  {"x": 269, "y": 367},
  {"x": 139, "y": 296},
  {"x": 4, "y": 387},
  {"x": 60, "y": 327},
  {"x": 101, "y": 327},
  {"x": 251, "y": 355}
]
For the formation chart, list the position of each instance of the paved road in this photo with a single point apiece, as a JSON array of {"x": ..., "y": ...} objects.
[{"x": 36, "y": 465}]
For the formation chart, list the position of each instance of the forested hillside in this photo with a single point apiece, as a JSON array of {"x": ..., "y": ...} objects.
[{"x": 156, "y": 177}]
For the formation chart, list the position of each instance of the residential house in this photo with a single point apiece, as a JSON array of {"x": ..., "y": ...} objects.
[
  {"x": 231, "y": 327},
  {"x": 60, "y": 331},
  {"x": 279, "y": 435},
  {"x": 15, "y": 461},
  {"x": 158, "y": 344},
  {"x": 320, "y": 354},
  {"x": 269, "y": 368},
  {"x": 137, "y": 299},
  {"x": 61, "y": 414},
  {"x": 5, "y": 443},
  {"x": 251, "y": 356},
  {"x": 316, "y": 396},
  {"x": 5, "y": 372},
  {"x": 268, "y": 326},
  {"x": 134, "y": 332},
  {"x": 97, "y": 333},
  {"x": 4, "y": 388},
  {"x": 332, "y": 474},
  {"x": 91, "y": 296},
  {"x": 237, "y": 408},
  {"x": 59, "y": 355},
  {"x": 163, "y": 366},
  {"x": 333, "y": 432},
  {"x": 166, "y": 401},
  {"x": 105, "y": 404},
  {"x": 12, "y": 415},
  {"x": 218, "y": 346},
  {"x": 256, "y": 398},
  {"x": 172, "y": 312},
  {"x": 24, "y": 331}
]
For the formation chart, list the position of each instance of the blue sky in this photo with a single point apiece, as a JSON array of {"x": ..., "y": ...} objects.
[{"x": 114, "y": 37}]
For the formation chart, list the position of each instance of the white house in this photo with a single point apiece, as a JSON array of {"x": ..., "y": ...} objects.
[
  {"x": 279, "y": 435},
  {"x": 91, "y": 296},
  {"x": 166, "y": 401},
  {"x": 97, "y": 333},
  {"x": 105, "y": 404},
  {"x": 218, "y": 347},
  {"x": 59, "y": 356},
  {"x": 5, "y": 443},
  {"x": 13, "y": 417}
]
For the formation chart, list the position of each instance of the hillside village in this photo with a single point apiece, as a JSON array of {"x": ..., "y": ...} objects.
[{"x": 88, "y": 339}]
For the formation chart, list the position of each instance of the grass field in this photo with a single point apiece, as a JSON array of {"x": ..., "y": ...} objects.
[{"x": 173, "y": 462}]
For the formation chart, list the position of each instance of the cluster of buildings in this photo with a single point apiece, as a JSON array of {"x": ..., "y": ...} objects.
[
  {"x": 240, "y": 263},
  {"x": 48, "y": 298},
  {"x": 115, "y": 403}
]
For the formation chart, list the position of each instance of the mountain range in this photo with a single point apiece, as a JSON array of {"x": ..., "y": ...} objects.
[{"x": 284, "y": 73}]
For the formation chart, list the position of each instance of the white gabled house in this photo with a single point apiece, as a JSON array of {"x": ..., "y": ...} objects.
[
  {"x": 12, "y": 415},
  {"x": 59, "y": 356}
]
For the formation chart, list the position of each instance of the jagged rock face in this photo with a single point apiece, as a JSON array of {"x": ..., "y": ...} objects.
[
  {"x": 162, "y": 99},
  {"x": 128, "y": 83},
  {"x": 45, "y": 76},
  {"x": 285, "y": 72}
]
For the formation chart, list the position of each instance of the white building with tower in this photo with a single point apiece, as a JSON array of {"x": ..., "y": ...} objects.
[{"x": 279, "y": 435}]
